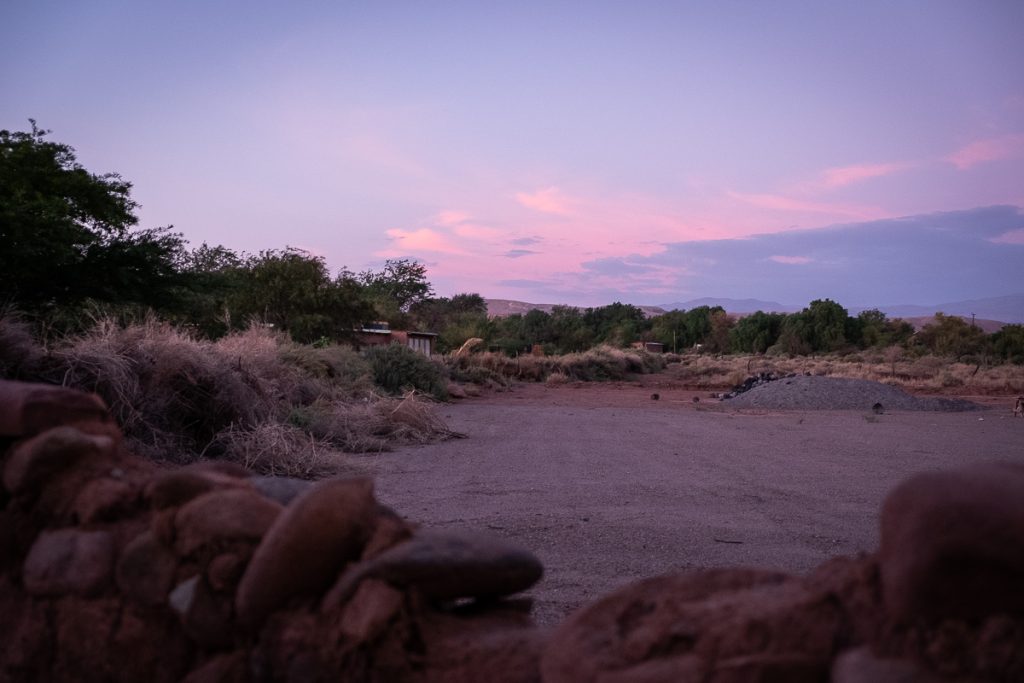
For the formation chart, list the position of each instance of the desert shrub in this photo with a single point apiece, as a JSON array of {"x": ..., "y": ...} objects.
[
  {"x": 276, "y": 449},
  {"x": 397, "y": 368},
  {"x": 253, "y": 396},
  {"x": 556, "y": 379},
  {"x": 168, "y": 391},
  {"x": 20, "y": 356},
  {"x": 341, "y": 367}
]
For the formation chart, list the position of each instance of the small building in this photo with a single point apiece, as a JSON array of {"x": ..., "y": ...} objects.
[
  {"x": 381, "y": 334},
  {"x": 652, "y": 347}
]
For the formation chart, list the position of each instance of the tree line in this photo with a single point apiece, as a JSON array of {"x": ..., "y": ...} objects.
[{"x": 71, "y": 249}]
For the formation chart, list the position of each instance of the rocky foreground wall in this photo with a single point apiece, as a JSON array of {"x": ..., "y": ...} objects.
[{"x": 114, "y": 569}]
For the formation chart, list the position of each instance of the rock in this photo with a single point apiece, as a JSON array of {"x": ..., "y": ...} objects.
[
  {"x": 228, "y": 515},
  {"x": 370, "y": 610},
  {"x": 32, "y": 462},
  {"x": 177, "y": 487},
  {"x": 318, "y": 533},
  {"x": 445, "y": 565},
  {"x": 180, "y": 599},
  {"x": 27, "y": 409},
  {"x": 103, "y": 499},
  {"x": 208, "y": 617},
  {"x": 862, "y": 666},
  {"x": 388, "y": 531},
  {"x": 456, "y": 390},
  {"x": 69, "y": 561},
  {"x": 145, "y": 571},
  {"x": 281, "y": 489},
  {"x": 725, "y": 624},
  {"x": 25, "y": 654},
  {"x": 951, "y": 544},
  {"x": 224, "y": 571},
  {"x": 227, "y": 668}
]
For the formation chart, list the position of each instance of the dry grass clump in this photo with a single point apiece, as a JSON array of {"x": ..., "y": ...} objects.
[
  {"x": 254, "y": 397},
  {"x": 277, "y": 449},
  {"x": 928, "y": 374}
]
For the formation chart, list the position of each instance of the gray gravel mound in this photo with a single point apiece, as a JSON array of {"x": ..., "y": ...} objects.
[{"x": 838, "y": 393}]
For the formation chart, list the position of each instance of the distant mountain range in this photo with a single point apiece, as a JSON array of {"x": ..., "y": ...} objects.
[
  {"x": 1009, "y": 309},
  {"x": 990, "y": 313},
  {"x": 733, "y": 305}
]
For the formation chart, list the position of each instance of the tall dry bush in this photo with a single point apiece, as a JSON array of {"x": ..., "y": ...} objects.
[{"x": 254, "y": 396}]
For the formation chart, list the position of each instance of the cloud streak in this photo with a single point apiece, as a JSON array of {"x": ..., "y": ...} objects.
[
  {"x": 548, "y": 200},
  {"x": 984, "y": 151},
  {"x": 848, "y": 175}
]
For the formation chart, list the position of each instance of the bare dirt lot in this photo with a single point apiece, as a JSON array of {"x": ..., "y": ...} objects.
[{"x": 607, "y": 485}]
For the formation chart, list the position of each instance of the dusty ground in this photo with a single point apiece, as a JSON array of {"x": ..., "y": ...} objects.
[{"x": 607, "y": 486}]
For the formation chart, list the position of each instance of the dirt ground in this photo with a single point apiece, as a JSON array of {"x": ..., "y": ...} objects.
[{"x": 607, "y": 485}]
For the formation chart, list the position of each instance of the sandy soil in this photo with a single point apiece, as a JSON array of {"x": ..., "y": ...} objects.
[{"x": 607, "y": 486}]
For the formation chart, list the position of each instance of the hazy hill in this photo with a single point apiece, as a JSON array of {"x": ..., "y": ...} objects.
[
  {"x": 1009, "y": 309},
  {"x": 733, "y": 305}
]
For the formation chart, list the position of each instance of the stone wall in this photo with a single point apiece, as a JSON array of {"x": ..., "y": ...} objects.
[{"x": 113, "y": 568}]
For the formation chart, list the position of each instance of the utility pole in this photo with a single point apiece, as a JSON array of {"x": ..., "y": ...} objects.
[{"x": 972, "y": 320}]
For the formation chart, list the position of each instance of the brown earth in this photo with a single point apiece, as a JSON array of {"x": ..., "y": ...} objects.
[{"x": 608, "y": 486}]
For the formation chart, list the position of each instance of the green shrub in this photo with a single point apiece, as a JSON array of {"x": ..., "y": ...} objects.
[{"x": 398, "y": 368}]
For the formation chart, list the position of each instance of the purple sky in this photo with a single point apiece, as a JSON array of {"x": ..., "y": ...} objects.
[{"x": 576, "y": 153}]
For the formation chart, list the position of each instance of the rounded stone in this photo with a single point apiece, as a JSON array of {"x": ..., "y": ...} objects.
[
  {"x": 145, "y": 571},
  {"x": 179, "y": 486},
  {"x": 32, "y": 462},
  {"x": 318, "y": 533},
  {"x": 227, "y": 515},
  {"x": 721, "y": 624},
  {"x": 27, "y": 409},
  {"x": 69, "y": 561},
  {"x": 446, "y": 565},
  {"x": 951, "y": 544}
]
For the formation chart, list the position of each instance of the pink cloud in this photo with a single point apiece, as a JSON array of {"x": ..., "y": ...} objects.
[
  {"x": 1010, "y": 237},
  {"x": 846, "y": 175},
  {"x": 791, "y": 260},
  {"x": 991, "y": 149},
  {"x": 423, "y": 239},
  {"x": 450, "y": 217},
  {"x": 548, "y": 200}
]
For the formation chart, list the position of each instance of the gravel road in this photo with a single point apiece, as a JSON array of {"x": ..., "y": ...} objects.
[{"x": 608, "y": 486}]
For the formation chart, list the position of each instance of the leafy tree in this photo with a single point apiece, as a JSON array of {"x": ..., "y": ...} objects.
[
  {"x": 756, "y": 333},
  {"x": 1008, "y": 343},
  {"x": 617, "y": 323},
  {"x": 66, "y": 234},
  {"x": 569, "y": 329},
  {"x": 396, "y": 288},
  {"x": 950, "y": 335},
  {"x": 828, "y": 324},
  {"x": 717, "y": 340},
  {"x": 292, "y": 290}
]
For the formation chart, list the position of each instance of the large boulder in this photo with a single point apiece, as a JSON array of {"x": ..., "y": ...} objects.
[
  {"x": 952, "y": 544},
  {"x": 319, "y": 532}
]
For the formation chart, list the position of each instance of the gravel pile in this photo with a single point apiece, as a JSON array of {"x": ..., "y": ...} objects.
[{"x": 836, "y": 393}]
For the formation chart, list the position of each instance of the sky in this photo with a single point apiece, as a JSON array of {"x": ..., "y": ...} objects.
[{"x": 579, "y": 153}]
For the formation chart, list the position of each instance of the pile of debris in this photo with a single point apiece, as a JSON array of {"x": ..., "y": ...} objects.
[
  {"x": 751, "y": 382},
  {"x": 113, "y": 569}
]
